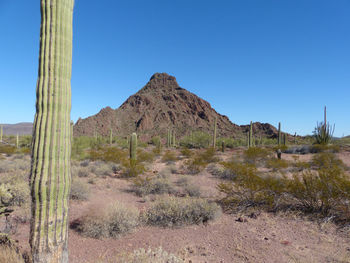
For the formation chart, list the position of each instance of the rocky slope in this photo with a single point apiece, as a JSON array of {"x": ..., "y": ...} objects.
[{"x": 160, "y": 105}]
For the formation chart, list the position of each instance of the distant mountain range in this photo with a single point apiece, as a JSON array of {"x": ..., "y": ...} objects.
[{"x": 22, "y": 128}]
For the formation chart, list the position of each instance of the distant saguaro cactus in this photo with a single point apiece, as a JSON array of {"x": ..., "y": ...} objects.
[
  {"x": 174, "y": 139},
  {"x": 17, "y": 141},
  {"x": 284, "y": 139},
  {"x": 250, "y": 135},
  {"x": 133, "y": 148},
  {"x": 279, "y": 140},
  {"x": 111, "y": 136},
  {"x": 1, "y": 132},
  {"x": 169, "y": 140},
  {"x": 215, "y": 131},
  {"x": 50, "y": 176}
]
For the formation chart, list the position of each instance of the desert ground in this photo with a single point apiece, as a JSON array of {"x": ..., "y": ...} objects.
[{"x": 247, "y": 235}]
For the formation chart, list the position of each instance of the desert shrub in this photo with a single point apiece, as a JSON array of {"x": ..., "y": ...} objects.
[
  {"x": 174, "y": 211},
  {"x": 145, "y": 185},
  {"x": 320, "y": 191},
  {"x": 9, "y": 253},
  {"x": 300, "y": 166},
  {"x": 147, "y": 256},
  {"x": 182, "y": 181},
  {"x": 255, "y": 154},
  {"x": 85, "y": 163},
  {"x": 111, "y": 221},
  {"x": 169, "y": 156},
  {"x": 192, "y": 190},
  {"x": 233, "y": 169},
  {"x": 319, "y": 148},
  {"x": 197, "y": 140},
  {"x": 186, "y": 152},
  {"x": 325, "y": 191},
  {"x": 108, "y": 154},
  {"x": 229, "y": 142},
  {"x": 79, "y": 190},
  {"x": 7, "y": 149},
  {"x": 276, "y": 164},
  {"x": 83, "y": 172},
  {"x": 198, "y": 162},
  {"x": 14, "y": 192},
  {"x": 101, "y": 169},
  {"x": 144, "y": 156},
  {"x": 327, "y": 160},
  {"x": 133, "y": 169}
]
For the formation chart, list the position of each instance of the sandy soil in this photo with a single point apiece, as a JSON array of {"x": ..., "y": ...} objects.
[{"x": 266, "y": 238}]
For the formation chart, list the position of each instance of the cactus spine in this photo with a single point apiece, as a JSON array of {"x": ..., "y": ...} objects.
[
  {"x": 279, "y": 140},
  {"x": 214, "y": 132},
  {"x": 133, "y": 148},
  {"x": 50, "y": 176}
]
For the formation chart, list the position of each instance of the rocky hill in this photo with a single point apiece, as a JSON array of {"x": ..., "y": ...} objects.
[{"x": 160, "y": 105}]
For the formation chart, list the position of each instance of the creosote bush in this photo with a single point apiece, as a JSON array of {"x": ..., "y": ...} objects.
[
  {"x": 255, "y": 154},
  {"x": 200, "y": 161},
  {"x": 277, "y": 164},
  {"x": 325, "y": 191},
  {"x": 171, "y": 211},
  {"x": 108, "y": 154},
  {"x": 111, "y": 221},
  {"x": 169, "y": 156}
]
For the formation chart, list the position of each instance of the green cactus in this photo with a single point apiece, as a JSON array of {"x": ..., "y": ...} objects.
[
  {"x": 50, "y": 176},
  {"x": 169, "y": 140},
  {"x": 284, "y": 139},
  {"x": 1, "y": 132},
  {"x": 111, "y": 136},
  {"x": 17, "y": 141},
  {"x": 279, "y": 140},
  {"x": 133, "y": 148},
  {"x": 215, "y": 130},
  {"x": 173, "y": 139},
  {"x": 250, "y": 135}
]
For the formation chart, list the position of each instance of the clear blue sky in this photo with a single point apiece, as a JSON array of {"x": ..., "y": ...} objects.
[{"x": 258, "y": 60}]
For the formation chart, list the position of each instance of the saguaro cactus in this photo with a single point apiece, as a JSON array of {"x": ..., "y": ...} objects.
[
  {"x": 17, "y": 141},
  {"x": 174, "y": 139},
  {"x": 50, "y": 176},
  {"x": 215, "y": 131},
  {"x": 1, "y": 132},
  {"x": 169, "y": 141},
  {"x": 250, "y": 135},
  {"x": 111, "y": 136},
  {"x": 133, "y": 148},
  {"x": 279, "y": 140}
]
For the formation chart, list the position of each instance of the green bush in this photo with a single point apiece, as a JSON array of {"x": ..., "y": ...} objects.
[
  {"x": 111, "y": 221},
  {"x": 169, "y": 156},
  {"x": 108, "y": 154},
  {"x": 277, "y": 164},
  {"x": 133, "y": 169},
  {"x": 144, "y": 156},
  {"x": 325, "y": 191},
  {"x": 174, "y": 211},
  {"x": 7, "y": 149},
  {"x": 255, "y": 154},
  {"x": 200, "y": 161},
  {"x": 197, "y": 140},
  {"x": 327, "y": 160}
]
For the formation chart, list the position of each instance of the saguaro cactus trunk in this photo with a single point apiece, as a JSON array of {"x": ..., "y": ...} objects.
[
  {"x": 133, "y": 148},
  {"x": 50, "y": 176},
  {"x": 214, "y": 132},
  {"x": 279, "y": 140}
]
